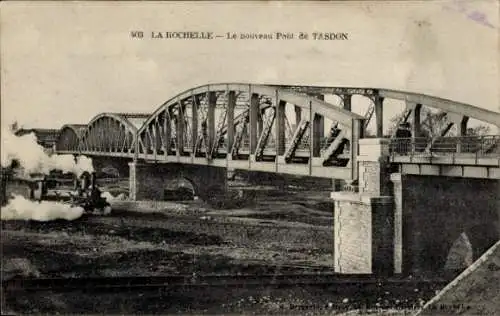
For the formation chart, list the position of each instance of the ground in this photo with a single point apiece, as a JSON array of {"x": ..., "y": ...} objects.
[{"x": 289, "y": 233}]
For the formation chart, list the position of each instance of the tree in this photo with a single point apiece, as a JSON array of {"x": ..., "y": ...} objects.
[
  {"x": 433, "y": 123},
  {"x": 480, "y": 130}
]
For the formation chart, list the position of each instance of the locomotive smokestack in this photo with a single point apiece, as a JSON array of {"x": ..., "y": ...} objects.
[
  {"x": 93, "y": 179},
  {"x": 75, "y": 183},
  {"x": 40, "y": 190},
  {"x": 84, "y": 181}
]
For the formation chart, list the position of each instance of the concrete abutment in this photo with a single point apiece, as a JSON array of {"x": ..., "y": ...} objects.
[
  {"x": 435, "y": 211},
  {"x": 407, "y": 224}
]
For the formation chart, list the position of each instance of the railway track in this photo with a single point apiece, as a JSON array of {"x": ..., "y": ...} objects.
[{"x": 331, "y": 281}]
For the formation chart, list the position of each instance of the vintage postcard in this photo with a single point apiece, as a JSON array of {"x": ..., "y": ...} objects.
[{"x": 253, "y": 157}]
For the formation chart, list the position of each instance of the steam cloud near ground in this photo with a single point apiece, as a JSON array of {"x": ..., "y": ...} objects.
[
  {"x": 22, "y": 209},
  {"x": 34, "y": 159},
  {"x": 111, "y": 197}
]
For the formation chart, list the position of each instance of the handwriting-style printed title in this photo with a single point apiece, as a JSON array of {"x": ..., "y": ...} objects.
[{"x": 318, "y": 36}]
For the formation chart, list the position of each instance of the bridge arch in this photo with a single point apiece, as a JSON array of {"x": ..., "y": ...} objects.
[
  {"x": 111, "y": 133},
  {"x": 69, "y": 137},
  {"x": 457, "y": 108},
  {"x": 411, "y": 99},
  {"x": 188, "y": 123},
  {"x": 182, "y": 184}
]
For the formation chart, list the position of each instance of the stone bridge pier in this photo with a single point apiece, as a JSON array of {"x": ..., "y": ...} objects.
[
  {"x": 407, "y": 224},
  {"x": 148, "y": 181},
  {"x": 364, "y": 220}
]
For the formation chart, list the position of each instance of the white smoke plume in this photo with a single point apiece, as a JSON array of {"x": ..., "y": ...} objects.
[
  {"x": 34, "y": 159},
  {"x": 111, "y": 197},
  {"x": 20, "y": 208}
]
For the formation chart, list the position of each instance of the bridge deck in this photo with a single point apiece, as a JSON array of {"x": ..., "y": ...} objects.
[{"x": 450, "y": 156}]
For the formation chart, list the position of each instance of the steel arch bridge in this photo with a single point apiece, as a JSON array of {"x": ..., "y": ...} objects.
[{"x": 247, "y": 126}]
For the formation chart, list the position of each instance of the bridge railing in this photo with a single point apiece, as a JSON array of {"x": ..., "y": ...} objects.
[
  {"x": 245, "y": 144},
  {"x": 478, "y": 146}
]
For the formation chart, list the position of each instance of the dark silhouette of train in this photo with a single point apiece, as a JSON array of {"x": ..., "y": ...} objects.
[{"x": 83, "y": 191}]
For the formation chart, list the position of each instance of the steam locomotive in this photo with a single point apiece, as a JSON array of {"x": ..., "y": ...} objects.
[{"x": 82, "y": 192}]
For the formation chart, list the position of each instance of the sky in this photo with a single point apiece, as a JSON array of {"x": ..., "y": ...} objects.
[{"x": 66, "y": 62}]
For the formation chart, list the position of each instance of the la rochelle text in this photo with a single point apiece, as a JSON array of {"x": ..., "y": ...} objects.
[{"x": 317, "y": 36}]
